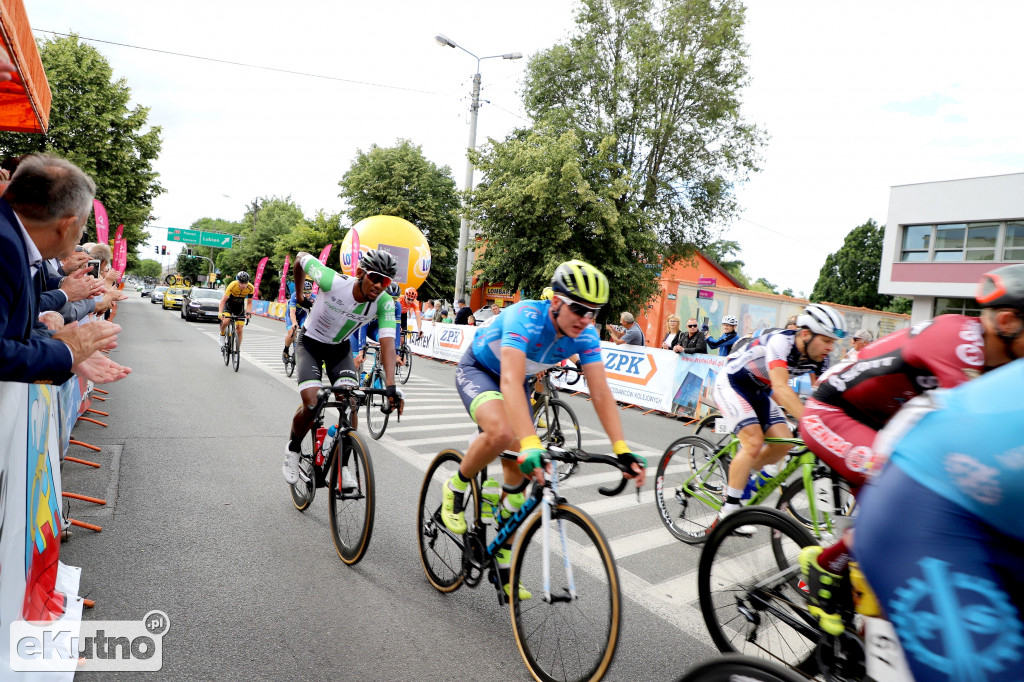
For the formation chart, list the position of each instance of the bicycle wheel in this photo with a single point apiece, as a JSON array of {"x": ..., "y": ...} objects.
[
  {"x": 376, "y": 421},
  {"x": 573, "y": 635},
  {"x": 441, "y": 551},
  {"x": 749, "y": 589},
  {"x": 351, "y": 507},
  {"x": 833, "y": 502},
  {"x": 689, "y": 475},
  {"x": 289, "y": 365},
  {"x": 236, "y": 355},
  {"x": 706, "y": 429},
  {"x": 225, "y": 349},
  {"x": 732, "y": 667},
  {"x": 403, "y": 372},
  {"x": 556, "y": 424},
  {"x": 304, "y": 490}
]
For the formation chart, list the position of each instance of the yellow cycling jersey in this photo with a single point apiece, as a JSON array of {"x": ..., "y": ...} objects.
[{"x": 236, "y": 290}]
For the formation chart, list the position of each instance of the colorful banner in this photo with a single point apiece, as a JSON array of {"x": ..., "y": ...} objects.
[
  {"x": 120, "y": 232},
  {"x": 102, "y": 224},
  {"x": 282, "y": 292},
  {"x": 692, "y": 384},
  {"x": 120, "y": 255},
  {"x": 355, "y": 251},
  {"x": 259, "y": 275},
  {"x": 323, "y": 259}
]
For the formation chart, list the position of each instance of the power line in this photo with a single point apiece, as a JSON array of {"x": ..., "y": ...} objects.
[{"x": 783, "y": 234}]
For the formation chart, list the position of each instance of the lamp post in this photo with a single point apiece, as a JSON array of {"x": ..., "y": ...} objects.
[{"x": 474, "y": 109}]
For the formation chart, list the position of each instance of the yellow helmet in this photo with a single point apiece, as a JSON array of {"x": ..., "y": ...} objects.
[
  {"x": 547, "y": 294},
  {"x": 581, "y": 282}
]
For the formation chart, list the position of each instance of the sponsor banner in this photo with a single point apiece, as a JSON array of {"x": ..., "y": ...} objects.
[
  {"x": 499, "y": 292},
  {"x": 639, "y": 375},
  {"x": 450, "y": 341},
  {"x": 282, "y": 292},
  {"x": 259, "y": 276},
  {"x": 102, "y": 224},
  {"x": 692, "y": 383},
  {"x": 422, "y": 344}
]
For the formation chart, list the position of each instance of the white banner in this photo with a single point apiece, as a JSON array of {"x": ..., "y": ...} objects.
[
  {"x": 442, "y": 341},
  {"x": 637, "y": 375}
]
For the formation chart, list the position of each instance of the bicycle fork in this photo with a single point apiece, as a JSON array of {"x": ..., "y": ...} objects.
[{"x": 548, "y": 502}]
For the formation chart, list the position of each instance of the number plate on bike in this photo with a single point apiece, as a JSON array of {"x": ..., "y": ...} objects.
[{"x": 720, "y": 426}]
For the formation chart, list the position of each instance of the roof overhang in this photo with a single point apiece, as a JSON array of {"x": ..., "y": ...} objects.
[{"x": 24, "y": 100}]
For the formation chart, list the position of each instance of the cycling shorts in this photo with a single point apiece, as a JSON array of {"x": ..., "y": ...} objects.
[
  {"x": 477, "y": 385},
  {"x": 235, "y": 306},
  {"x": 741, "y": 407},
  {"x": 310, "y": 354},
  {"x": 840, "y": 441},
  {"x": 949, "y": 581}
]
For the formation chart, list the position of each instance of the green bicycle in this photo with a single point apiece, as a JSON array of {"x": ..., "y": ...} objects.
[{"x": 692, "y": 476}]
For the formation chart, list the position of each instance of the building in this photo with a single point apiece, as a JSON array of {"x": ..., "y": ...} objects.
[{"x": 940, "y": 237}]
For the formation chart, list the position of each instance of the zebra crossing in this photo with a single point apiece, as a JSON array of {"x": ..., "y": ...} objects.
[{"x": 435, "y": 419}]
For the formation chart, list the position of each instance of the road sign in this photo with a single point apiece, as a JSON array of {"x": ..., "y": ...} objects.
[
  {"x": 701, "y": 293},
  {"x": 217, "y": 239},
  {"x": 175, "y": 234},
  {"x": 707, "y": 282}
]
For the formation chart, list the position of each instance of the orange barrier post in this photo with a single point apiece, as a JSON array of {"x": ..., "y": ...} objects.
[
  {"x": 102, "y": 414},
  {"x": 83, "y": 524},
  {"x": 85, "y": 445},
  {"x": 81, "y": 461},
  {"x": 90, "y": 419},
  {"x": 88, "y": 603},
  {"x": 99, "y": 390},
  {"x": 84, "y": 498},
  {"x": 102, "y": 400}
]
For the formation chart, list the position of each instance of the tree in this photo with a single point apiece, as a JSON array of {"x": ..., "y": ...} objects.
[
  {"x": 764, "y": 286},
  {"x": 725, "y": 253},
  {"x": 400, "y": 181},
  {"x": 850, "y": 275},
  {"x": 264, "y": 223},
  {"x": 544, "y": 200},
  {"x": 655, "y": 85},
  {"x": 146, "y": 267},
  {"x": 92, "y": 126},
  {"x": 192, "y": 267}
]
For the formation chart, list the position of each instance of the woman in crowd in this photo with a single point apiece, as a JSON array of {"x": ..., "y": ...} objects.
[{"x": 673, "y": 338}]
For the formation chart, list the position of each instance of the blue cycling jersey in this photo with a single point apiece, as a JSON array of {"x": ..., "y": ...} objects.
[
  {"x": 527, "y": 326},
  {"x": 371, "y": 328},
  {"x": 300, "y": 313},
  {"x": 967, "y": 445}
]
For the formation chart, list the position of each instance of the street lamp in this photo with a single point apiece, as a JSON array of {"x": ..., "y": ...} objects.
[{"x": 474, "y": 108}]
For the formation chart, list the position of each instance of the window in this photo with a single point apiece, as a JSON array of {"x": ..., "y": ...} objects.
[
  {"x": 957, "y": 306},
  {"x": 916, "y": 239},
  {"x": 1014, "y": 244},
  {"x": 958, "y": 242}
]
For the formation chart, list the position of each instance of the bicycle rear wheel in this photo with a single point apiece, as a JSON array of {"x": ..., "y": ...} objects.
[
  {"x": 441, "y": 551},
  {"x": 733, "y": 667},
  {"x": 705, "y": 428},
  {"x": 289, "y": 365},
  {"x": 304, "y": 490},
  {"x": 689, "y": 475},
  {"x": 376, "y": 421},
  {"x": 749, "y": 589},
  {"x": 352, "y": 506},
  {"x": 573, "y": 635},
  {"x": 556, "y": 424},
  {"x": 833, "y": 502},
  {"x": 402, "y": 372}
]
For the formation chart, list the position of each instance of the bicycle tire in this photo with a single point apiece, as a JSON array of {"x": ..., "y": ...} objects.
[
  {"x": 833, "y": 499},
  {"x": 706, "y": 429},
  {"x": 350, "y": 529},
  {"x": 376, "y": 420},
  {"x": 687, "y": 516},
  {"x": 303, "y": 491},
  {"x": 588, "y": 617},
  {"x": 731, "y": 667},
  {"x": 224, "y": 349},
  {"x": 745, "y": 582},
  {"x": 561, "y": 428},
  {"x": 406, "y": 370},
  {"x": 441, "y": 552},
  {"x": 289, "y": 365},
  {"x": 236, "y": 355}
]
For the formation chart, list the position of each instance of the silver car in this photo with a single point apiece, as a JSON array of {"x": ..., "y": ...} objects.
[
  {"x": 201, "y": 304},
  {"x": 158, "y": 295}
]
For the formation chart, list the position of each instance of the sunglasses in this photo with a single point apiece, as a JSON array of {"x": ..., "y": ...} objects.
[
  {"x": 692, "y": 325},
  {"x": 378, "y": 278},
  {"x": 580, "y": 309}
]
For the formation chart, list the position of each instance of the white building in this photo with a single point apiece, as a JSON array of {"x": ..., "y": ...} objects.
[{"x": 941, "y": 237}]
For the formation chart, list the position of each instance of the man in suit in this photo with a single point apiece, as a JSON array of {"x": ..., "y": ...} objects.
[{"x": 42, "y": 215}]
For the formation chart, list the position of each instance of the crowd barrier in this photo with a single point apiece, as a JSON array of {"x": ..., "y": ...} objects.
[{"x": 271, "y": 309}]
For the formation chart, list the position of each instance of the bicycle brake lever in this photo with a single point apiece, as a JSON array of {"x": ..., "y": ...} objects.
[{"x": 611, "y": 492}]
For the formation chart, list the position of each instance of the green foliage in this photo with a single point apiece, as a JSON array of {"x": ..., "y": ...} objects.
[
  {"x": 266, "y": 221},
  {"x": 400, "y": 181},
  {"x": 312, "y": 236},
  {"x": 191, "y": 267},
  {"x": 653, "y": 87},
  {"x": 146, "y": 267},
  {"x": 725, "y": 253},
  {"x": 850, "y": 275},
  {"x": 545, "y": 200},
  {"x": 764, "y": 286},
  {"x": 92, "y": 126},
  {"x": 900, "y": 305}
]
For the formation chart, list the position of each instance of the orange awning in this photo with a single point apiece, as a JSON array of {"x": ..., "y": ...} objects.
[{"x": 25, "y": 100}]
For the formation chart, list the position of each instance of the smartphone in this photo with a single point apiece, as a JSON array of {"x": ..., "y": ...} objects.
[
  {"x": 95, "y": 265},
  {"x": 705, "y": 320}
]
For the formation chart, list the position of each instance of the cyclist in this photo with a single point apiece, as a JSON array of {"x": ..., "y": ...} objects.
[
  {"x": 344, "y": 304},
  {"x": 856, "y": 399},
  {"x": 237, "y": 299},
  {"x": 491, "y": 378},
  {"x": 393, "y": 291},
  {"x": 764, "y": 367},
  {"x": 411, "y": 305},
  {"x": 725, "y": 342},
  {"x": 294, "y": 316}
]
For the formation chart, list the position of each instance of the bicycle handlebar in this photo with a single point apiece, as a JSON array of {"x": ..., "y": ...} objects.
[
  {"x": 558, "y": 454},
  {"x": 358, "y": 392}
]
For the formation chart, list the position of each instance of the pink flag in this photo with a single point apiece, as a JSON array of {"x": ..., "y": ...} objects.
[
  {"x": 355, "y": 251},
  {"x": 282, "y": 293},
  {"x": 120, "y": 254},
  {"x": 120, "y": 232},
  {"x": 259, "y": 276},
  {"x": 102, "y": 225},
  {"x": 323, "y": 259}
]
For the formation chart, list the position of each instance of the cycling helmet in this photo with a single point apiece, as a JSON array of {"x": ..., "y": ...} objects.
[
  {"x": 1002, "y": 288},
  {"x": 823, "y": 320},
  {"x": 581, "y": 282},
  {"x": 379, "y": 261},
  {"x": 308, "y": 285},
  {"x": 547, "y": 294},
  {"x": 394, "y": 291},
  {"x": 730, "y": 319},
  {"x": 411, "y": 294},
  {"x": 242, "y": 277}
]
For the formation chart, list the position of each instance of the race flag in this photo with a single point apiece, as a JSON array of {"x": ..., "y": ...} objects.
[
  {"x": 120, "y": 232},
  {"x": 282, "y": 293},
  {"x": 102, "y": 225},
  {"x": 259, "y": 276}
]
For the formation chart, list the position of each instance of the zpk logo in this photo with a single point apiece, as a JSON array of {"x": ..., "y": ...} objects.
[
  {"x": 633, "y": 367},
  {"x": 450, "y": 338}
]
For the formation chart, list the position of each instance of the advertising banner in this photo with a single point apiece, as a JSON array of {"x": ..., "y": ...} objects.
[
  {"x": 692, "y": 384},
  {"x": 282, "y": 291},
  {"x": 450, "y": 341},
  {"x": 639, "y": 375},
  {"x": 259, "y": 276},
  {"x": 102, "y": 224}
]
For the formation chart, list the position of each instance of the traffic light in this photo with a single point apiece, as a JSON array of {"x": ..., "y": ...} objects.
[
  {"x": 157, "y": 249},
  {"x": 188, "y": 252},
  {"x": 163, "y": 250}
]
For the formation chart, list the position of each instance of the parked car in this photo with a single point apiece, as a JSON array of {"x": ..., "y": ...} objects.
[
  {"x": 481, "y": 315},
  {"x": 200, "y": 304},
  {"x": 158, "y": 294},
  {"x": 146, "y": 291},
  {"x": 172, "y": 298}
]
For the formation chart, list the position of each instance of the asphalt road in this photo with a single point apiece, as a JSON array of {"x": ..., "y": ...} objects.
[{"x": 199, "y": 524}]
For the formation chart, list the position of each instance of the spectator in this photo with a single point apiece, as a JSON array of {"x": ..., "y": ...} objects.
[
  {"x": 462, "y": 312},
  {"x": 446, "y": 316},
  {"x": 428, "y": 310},
  {"x": 495, "y": 309},
  {"x": 693, "y": 340},
  {"x": 674, "y": 335},
  {"x": 725, "y": 342},
  {"x": 470, "y": 321},
  {"x": 630, "y": 333},
  {"x": 42, "y": 215},
  {"x": 861, "y": 338},
  {"x": 791, "y": 323}
]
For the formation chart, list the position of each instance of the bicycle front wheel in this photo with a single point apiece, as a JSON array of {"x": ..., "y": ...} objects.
[
  {"x": 556, "y": 424},
  {"x": 403, "y": 371},
  {"x": 289, "y": 365},
  {"x": 833, "y": 502},
  {"x": 689, "y": 488},
  {"x": 573, "y": 634},
  {"x": 236, "y": 355},
  {"x": 441, "y": 551},
  {"x": 225, "y": 349},
  {"x": 749, "y": 590},
  {"x": 352, "y": 498},
  {"x": 733, "y": 667},
  {"x": 304, "y": 489},
  {"x": 376, "y": 421}
]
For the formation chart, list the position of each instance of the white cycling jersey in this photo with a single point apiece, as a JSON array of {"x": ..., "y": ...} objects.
[{"x": 336, "y": 314}]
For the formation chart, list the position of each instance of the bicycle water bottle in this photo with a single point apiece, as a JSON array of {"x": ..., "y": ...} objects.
[
  {"x": 757, "y": 480},
  {"x": 321, "y": 433},
  {"x": 332, "y": 432}
]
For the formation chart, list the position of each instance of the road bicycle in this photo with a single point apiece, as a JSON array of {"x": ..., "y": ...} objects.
[
  {"x": 229, "y": 351},
  {"x": 570, "y": 627},
  {"x": 289, "y": 360},
  {"x": 734, "y": 667},
  {"x": 376, "y": 415},
  {"x": 555, "y": 421},
  {"x": 404, "y": 369},
  {"x": 692, "y": 477},
  {"x": 345, "y": 469},
  {"x": 754, "y": 602}
]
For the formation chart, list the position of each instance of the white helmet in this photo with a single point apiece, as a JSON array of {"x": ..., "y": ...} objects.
[
  {"x": 730, "y": 319},
  {"x": 823, "y": 320}
]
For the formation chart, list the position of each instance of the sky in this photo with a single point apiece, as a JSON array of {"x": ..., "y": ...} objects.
[{"x": 854, "y": 98}]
